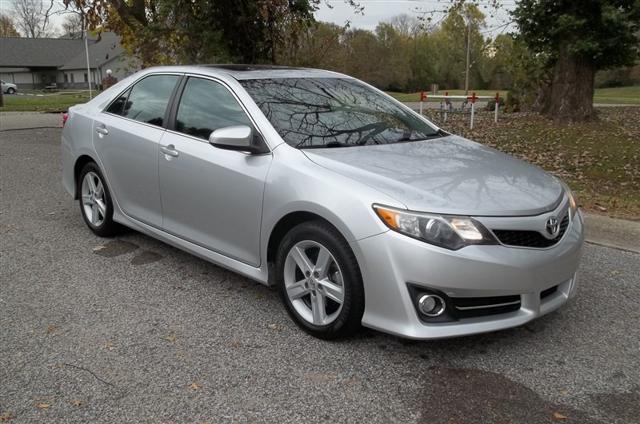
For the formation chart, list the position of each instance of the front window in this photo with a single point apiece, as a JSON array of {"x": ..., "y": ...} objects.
[
  {"x": 206, "y": 106},
  {"x": 334, "y": 112}
]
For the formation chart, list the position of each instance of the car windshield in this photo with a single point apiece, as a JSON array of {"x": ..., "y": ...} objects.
[{"x": 334, "y": 112}]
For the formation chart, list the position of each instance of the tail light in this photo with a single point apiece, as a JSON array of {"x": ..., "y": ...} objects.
[{"x": 65, "y": 117}]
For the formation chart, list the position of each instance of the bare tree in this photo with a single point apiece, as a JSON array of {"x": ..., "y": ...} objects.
[
  {"x": 33, "y": 17},
  {"x": 73, "y": 25}
]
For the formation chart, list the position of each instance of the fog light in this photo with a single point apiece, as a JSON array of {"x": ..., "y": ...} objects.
[{"x": 431, "y": 305}]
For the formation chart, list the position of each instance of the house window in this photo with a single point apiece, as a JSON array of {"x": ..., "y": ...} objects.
[
  {"x": 72, "y": 78},
  {"x": 66, "y": 78},
  {"x": 86, "y": 78}
]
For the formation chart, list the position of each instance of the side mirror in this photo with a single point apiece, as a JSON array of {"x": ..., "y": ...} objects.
[{"x": 237, "y": 137}]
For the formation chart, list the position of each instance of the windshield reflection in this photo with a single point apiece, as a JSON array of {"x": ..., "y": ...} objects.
[{"x": 334, "y": 112}]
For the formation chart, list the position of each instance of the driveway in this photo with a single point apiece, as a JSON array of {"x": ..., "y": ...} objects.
[{"x": 133, "y": 330}]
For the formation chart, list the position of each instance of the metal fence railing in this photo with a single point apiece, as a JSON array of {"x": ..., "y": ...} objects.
[{"x": 446, "y": 104}]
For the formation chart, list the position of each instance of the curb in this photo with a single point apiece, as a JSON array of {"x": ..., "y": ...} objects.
[
  {"x": 29, "y": 128},
  {"x": 618, "y": 234}
]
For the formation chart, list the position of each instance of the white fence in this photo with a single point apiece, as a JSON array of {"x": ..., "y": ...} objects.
[{"x": 447, "y": 107}]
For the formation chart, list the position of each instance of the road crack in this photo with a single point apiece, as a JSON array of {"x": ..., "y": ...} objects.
[{"x": 97, "y": 377}]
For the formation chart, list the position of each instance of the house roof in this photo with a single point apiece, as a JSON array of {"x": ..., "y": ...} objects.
[
  {"x": 100, "y": 52},
  {"x": 37, "y": 52},
  {"x": 63, "y": 53}
]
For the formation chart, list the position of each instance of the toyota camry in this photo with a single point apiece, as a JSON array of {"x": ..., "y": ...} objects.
[{"x": 359, "y": 210}]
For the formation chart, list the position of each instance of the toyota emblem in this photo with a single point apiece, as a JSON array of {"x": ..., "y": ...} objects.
[{"x": 552, "y": 226}]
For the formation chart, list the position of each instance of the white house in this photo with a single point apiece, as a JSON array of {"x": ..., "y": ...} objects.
[{"x": 33, "y": 63}]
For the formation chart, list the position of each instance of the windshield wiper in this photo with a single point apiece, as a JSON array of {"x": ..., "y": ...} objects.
[
  {"x": 326, "y": 145},
  {"x": 429, "y": 137}
]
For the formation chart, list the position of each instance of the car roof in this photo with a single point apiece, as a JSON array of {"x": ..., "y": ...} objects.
[{"x": 246, "y": 72}]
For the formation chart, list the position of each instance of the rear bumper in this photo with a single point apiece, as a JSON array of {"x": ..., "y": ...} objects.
[
  {"x": 68, "y": 162},
  {"x": 391, "y": 261}
]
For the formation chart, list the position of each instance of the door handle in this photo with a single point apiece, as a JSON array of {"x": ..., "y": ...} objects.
[
  {"x": 170, "y": 150},
  {"x": 102, "y": 130}
]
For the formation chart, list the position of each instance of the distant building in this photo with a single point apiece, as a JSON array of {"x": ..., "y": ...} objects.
[{"x": 33, "y": 63}]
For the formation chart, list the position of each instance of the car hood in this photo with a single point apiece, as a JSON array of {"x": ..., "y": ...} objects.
[{"x": 447, "y": 175}]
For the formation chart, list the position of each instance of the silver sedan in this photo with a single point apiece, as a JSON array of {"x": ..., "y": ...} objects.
[{"x": 360, "y": 211}]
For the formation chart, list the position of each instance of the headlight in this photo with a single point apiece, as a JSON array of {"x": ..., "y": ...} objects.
[
  {"x": 573, "y": 206},
  {"x": 451, "y": 232}
]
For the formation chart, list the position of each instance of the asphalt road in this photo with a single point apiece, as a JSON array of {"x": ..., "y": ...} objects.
[{"x": 132, "y": 330}]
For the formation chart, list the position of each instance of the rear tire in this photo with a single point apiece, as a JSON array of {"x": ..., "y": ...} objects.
[
  {"x": 95, "y": 202},
  {"x": 319, "y": 280}
]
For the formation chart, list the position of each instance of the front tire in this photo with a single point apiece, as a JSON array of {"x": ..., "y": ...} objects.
[
  {"x": 11, "y": 90},
  {"x": 319, "y": 280},
  {"x": 95, "y": 202}
]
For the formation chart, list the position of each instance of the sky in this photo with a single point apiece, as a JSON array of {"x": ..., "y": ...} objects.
[{"x": 375, "y": 11}]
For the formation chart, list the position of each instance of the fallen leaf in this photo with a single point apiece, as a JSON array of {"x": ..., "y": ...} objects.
[
  {"x": 318, "y": 377},
  {"x": 99, "y": 248},
  {"x": 43, "y": 405},
  {"x": 559, "y": 417},
  {"x": 76, "y": 402},
  {"x": 51, "y": 329},
  {"x": 274, "y": 326},
  {"x": 5, "y": 417},
  {"x": 171, "y": 338},
  {"x": 194, "y": 386}
]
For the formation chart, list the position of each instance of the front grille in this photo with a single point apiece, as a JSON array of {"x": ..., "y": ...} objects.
[
  {"x": 526, "y": 238},
  {"x": 470, "y": 307}
]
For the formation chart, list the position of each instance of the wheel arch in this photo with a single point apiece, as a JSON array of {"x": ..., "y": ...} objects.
[
  {"x": 283, "y": 225},
  {"x": 80, "y": 163}
]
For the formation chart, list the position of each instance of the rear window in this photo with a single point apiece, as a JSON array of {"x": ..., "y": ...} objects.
[
  {"x": 147, "y": 100},
  {"x": 334, "y": 112}
]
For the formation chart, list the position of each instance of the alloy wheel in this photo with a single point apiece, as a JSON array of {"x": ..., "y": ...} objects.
[
  {"x": 94, "y": 199},
  {"x": 314, "y": 282}
]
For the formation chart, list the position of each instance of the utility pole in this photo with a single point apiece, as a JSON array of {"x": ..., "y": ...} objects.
[
  {"x": 466, "y": 74},
  {"x": 86, "y": 49}
]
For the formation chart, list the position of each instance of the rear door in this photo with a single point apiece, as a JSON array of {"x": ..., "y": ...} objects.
[
  {"x": 126, "y": 137},
  {"x": 210, "y": 196}
]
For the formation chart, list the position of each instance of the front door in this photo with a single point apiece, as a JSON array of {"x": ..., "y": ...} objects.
[{"x": 211, "y": 197}]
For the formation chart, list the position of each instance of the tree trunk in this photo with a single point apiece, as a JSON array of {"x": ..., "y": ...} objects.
[{"x": 570, "y": 98}]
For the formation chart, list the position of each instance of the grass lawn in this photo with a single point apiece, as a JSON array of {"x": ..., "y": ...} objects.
[
  {"x": 599, "y": 160},
  {"x": 617, "y": 95},
  {"x": 43, "y": 102}
]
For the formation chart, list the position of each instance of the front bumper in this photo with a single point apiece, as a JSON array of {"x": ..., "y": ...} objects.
[{"x": 391, "y": 261}]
